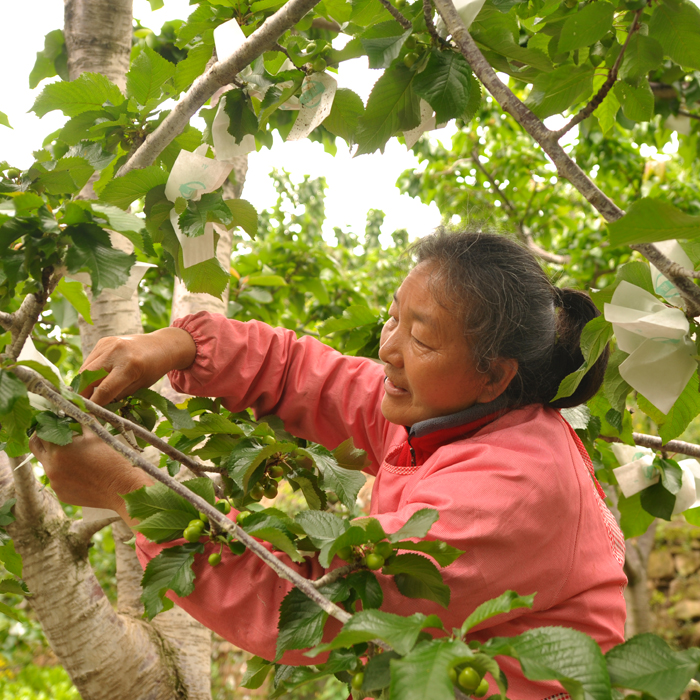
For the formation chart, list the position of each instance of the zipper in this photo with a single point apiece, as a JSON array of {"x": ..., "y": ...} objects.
[{"x": 412, "y": 451}]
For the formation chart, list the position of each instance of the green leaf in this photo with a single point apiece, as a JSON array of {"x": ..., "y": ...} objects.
[
  {"x": 207, "y": 277},
  {"x": 10, "y": 559},
  {"x": 647, "y": 663},
  {"x": 637, "y": 273},
  {"x": 417, "y": 577},
  {"x": 586, "y": 26},
  {"x": 642, "y": 55},
  {"x": 445, "y": 84},
  {"x": 179, "y": 418},
  {"x": 164, "y": 527},
  {"x": 553, "y": 93},
  {"x": 265, "y": 281},
  {"x": 209, "y": 423},
  {"x": 7, "y": 610},
  {"x": 211, "y": 207},
  {"x": 301, "y": 620},
  {"x": 675, "y": 24},
  {"x": 187, "y": 70},
  {"x": 11, "y": 389},
  {"x": 89, "y": 92},
  {"x": 650, "y": 220},
  {"x": 26, "y": 203},
  {"x": 686, "y": 407},
  {"x": 418, "y": 525},
  {"x": 151, "y": 500},
  {"x": 354, "y": 316},
  {"x": 6, "y": 516},
  {"x": 203, "y": 486},
  {"x": 442, "y": 552},
  {"x": 558, "y": 653},
  {"x": 75, "y": 294},
  {"x": 505, "y": 602},
  {"x": 256, "y": 672},
  {"x": 392, "y": 106},
  {"x": 366, "y": 625},
  {"x": 244, "y": 215},
  {"x": 44, "y": 370},
  {"x": 123, "y": 222},
  {"x": 345, "y": 483},
  {"x": 637, "y": 102},
  {"x": 422, "y": 673},
  {"x": 242, "y": 117},
  {"x": 13, "y": 586},
  {"x": 606, "y": 112},
  {"x": 122, "y": 191},
  {"x": 92, "y": 249},
  {"x": 52, "y": 60},
  {"x": 615, "y": 387},
  {"x": 350, "y": 457},
  {"x": 658, "y": 501},
  {"x": 68, "y": 176},
  {"x": 382, "y": 43},
  {"x": 247, "y": 456},
  {"x": 147, "y": 75},
  {"x": 83, "y": 380},
  {"x": 54, "y": 429},
  {"x": 321, "y": 527},
  {"x": 169, "y": 570},
  {"x": 345, "y": 115},
  {"x": 634, "y": 520},
  {"x": 671, "y": 474},
  {"x": 368, "y": 588},
  {"x": 15, "y": 425},
  {"x": 377, "y": 671}
]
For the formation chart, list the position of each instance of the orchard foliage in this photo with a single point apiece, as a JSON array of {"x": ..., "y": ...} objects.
[{"x": 630, "y": 69}]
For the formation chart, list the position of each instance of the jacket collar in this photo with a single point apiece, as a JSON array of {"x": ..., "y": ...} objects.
[{"x": 454, "y": 420}]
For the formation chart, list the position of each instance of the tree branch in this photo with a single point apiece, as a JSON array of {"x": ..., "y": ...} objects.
[
  {"x": 403, "y": 21},
  {"x": 605, "y": 87},
  {"x": 38, "y": 385},
  {"x": 656, "y": 443},
  {"x": 28, "y": 489},
  {"x": 6, "y": 320},
  {"x": 220, "y": 74},
  {"x": 566, "y": 167},
  {"x": 428, "y": 16},
  {"x": 333, "y": 576},
  {"x": 85, "y": 529},
  {"x": 683, "y": 113}
]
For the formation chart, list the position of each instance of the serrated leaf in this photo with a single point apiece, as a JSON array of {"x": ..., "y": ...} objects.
[
  {"x": 313, "y": 494},
  {"x": 84, "y": 379},
  {"x": 637, "y": 102},
  {"x": 643, "y": 54},
  {"x": 615, "y": 387},
  {"x": 210, "y": 423},
  {"x": 634, "y": 520},
  {"x": 354, "y": 536},
  {"x": 123, "y": 222},
  {"x": 586, "y": 26},
  {"x": 122, "y": 191},
  {"x": 164, "y": 527},
  {"x": 179, "y": 418},
  {"x": 187, "y": 70},
  {"x": 650, "y": 220},
  {"x": 345, "y": 483},
  {"x": 400, "y": 632},
  {"x": 553, "y": 93},
  {"x": 418, "y": 525},
  {"x": 92, "y": 249},
  {"x": 442, "y": 552},
  {"x": 368, "y": 588},
  {"x": 10, "y": 559},
  {"x": 392, "y": 106},
  {"x": 11, "y": 389},
  {"x": 417, "y": 577},
  {"x": 4, "y": 121},
  {"x": 354, "y": 316},
  {"x": 7, "y": 610},
  {"x": 322, "y": 527},
  {"x": 658, "y": 501},
  {"x": 89, "y": 92},
  {"x": 422, "y": 673},
  {"x": 244, "y": 214},
  {"x": 148, "y": 73},
  {"x": 150, "y": 500},
  {"x": 345, "y": 115},
  {"x": 203, "y": 487},
  {"x": 207, "y": 277},
  {"x": 558, "y": 653},
  {"x": 675, "y": 24},
  {"x": 647, "y": 663},
  {"x": 505, "y": 602},
  {"x": 211, "y": 207},
  {"x": 606, "y": 112},
  {"x": 241, "y": 115},
  {"x": 14, "y": 427},
  {"x": 54, "y": 429},
  {"x": 69, "y": 175},
  {"x": 256, "y": 672},
  {"x": 382, "y": 43},
  {"x": 247, "y": 456},
  {"x": 75, "y": 294},
  {"x": 445, "y": 84},
  {"x": 6, "y": 516},
  {"x": 13, "y": 586},
  {"x": 169, "y": 570},
  {"x": 350, "y": 457}
]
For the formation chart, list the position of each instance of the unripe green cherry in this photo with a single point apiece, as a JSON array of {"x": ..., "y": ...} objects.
[
  {"x": 198, "y": 524},
  {"x": 276, "y": 471},
  {"x": 410, "y": 43},
  {"x": 311, "y": 47},
  {"x": 243, "y": 516},
  {"x": 269, "y": 440},
  {"x": 236, "y": 547},
  {"x": 13, "y": 173},
  {"x": 374, "y": 561},
  {"x": 257, "y": 492},
  {"x": 469, "y": 679},
  {"x": 400, "y": 4},
  {"x": 203, "y": 517},
  {"x": 346, "y": 553},
  {"x": 482, "y": 689},
  {"x": 223, "y": 506},
  {"x": 410, "y": 58},
  {"x": 357, "y": 680},
  {"x": 214, "y": 558},
  {"x": 192, "y": 534},
  {"x": 319, "y": 64},
  {"x": 270, "y": 489},
  {"x": 452, "y": 674}
]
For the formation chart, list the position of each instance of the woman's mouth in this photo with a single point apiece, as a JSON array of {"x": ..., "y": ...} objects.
[{"x": 393, "y": 390}]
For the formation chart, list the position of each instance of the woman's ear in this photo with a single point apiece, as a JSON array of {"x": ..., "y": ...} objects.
[{"x": 500, "y": 375}]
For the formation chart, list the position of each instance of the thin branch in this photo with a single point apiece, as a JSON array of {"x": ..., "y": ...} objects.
[
  {"x": 38, "y": 385},
  {"x": 333, "y": 576},
  {"x": 403, "y": 21},
  {"x": 683, "y": 113},
  {"x": 605, "y": 87},
  {"x": 220, "y": 74},
  {"x": 83, "y": 530},
  {"x": 656, "y": 443},
  {"x": 428, "y": 16},
  {"x": 566, "y": 167}
]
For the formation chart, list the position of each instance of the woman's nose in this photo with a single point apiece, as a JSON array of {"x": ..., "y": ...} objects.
[{"x": 389, "y": 347}]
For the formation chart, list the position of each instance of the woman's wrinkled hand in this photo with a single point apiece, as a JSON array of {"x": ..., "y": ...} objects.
[
  {"x": 136, "y": 361},
  {"x": 88, "y": 472}
]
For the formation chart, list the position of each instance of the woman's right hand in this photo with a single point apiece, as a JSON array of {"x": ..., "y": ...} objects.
[{"x": 136, "y": 361}]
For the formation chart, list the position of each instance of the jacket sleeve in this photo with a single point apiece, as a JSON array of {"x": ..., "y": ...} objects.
[{"x": 320, "y": 394}]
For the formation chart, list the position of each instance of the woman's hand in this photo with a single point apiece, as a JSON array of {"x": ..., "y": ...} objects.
[
  {"x": 89, "y": 473},
  {"x": 136, "y": 361}
]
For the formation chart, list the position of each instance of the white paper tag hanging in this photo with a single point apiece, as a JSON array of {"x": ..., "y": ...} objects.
[
  {"x": 636, "y": 475},
  {"x": 661, "y": 361},
  {"x": 427, "y": 123},
  {"x": 662, "y": 285},
  {"x": 225, "y": 145},
  {"x": 317, "y": 93},
  {"x": 192, "y": 176}
]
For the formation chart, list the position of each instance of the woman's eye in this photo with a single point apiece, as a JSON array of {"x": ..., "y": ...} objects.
[{"x": 422, "y": 344}]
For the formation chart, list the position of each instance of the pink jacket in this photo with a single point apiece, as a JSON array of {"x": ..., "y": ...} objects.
[{"x": 514, "y": 494}]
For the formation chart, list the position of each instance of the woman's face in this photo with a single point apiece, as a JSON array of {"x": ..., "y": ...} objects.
[{"x": 428, "y": 363}]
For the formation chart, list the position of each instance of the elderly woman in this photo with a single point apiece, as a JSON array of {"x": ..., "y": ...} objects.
[{"x": 460, "y": 418}]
